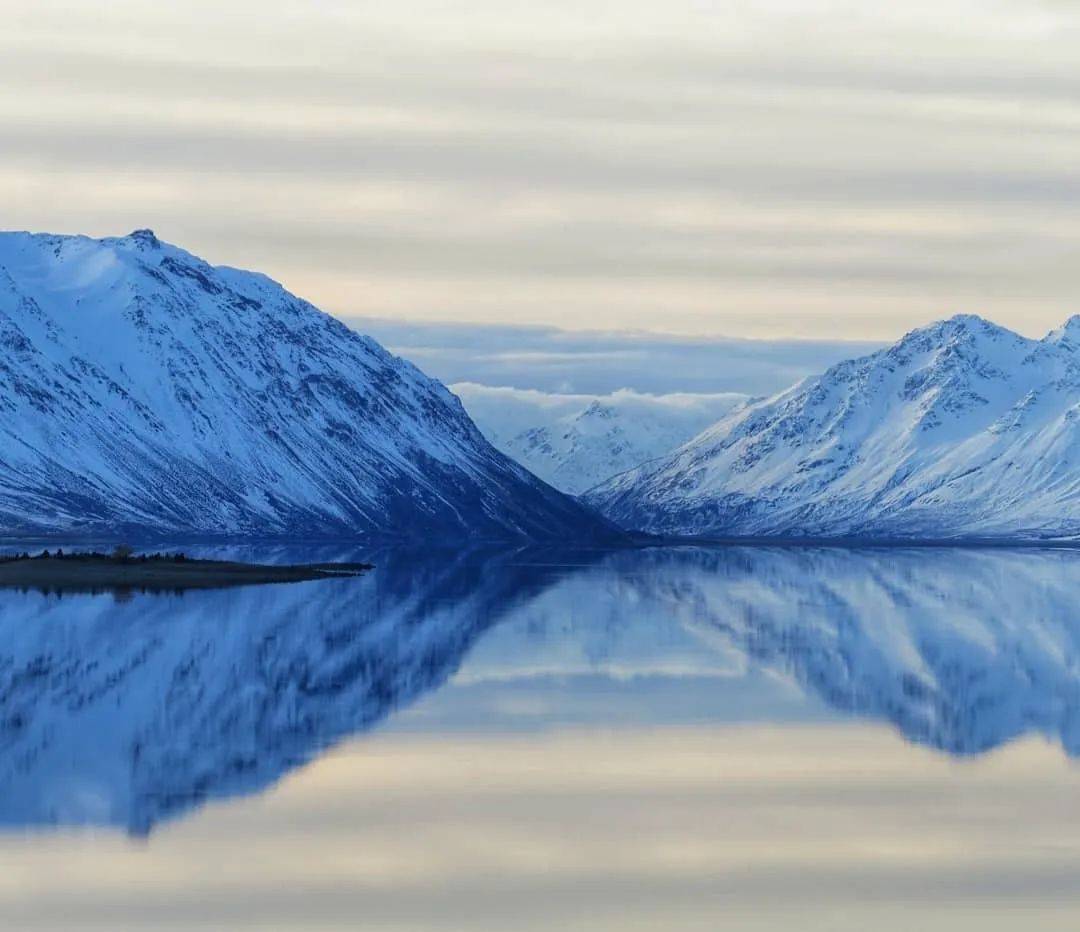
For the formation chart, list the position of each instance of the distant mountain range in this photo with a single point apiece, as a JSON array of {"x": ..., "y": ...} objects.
[
  {"x": 147, "y": 392},
  {"x": 962, "y": 429},
  {"x": 575, "y": 442}
]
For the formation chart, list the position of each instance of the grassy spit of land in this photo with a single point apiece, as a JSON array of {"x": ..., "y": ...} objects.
[{"x": 89, "y": 571}]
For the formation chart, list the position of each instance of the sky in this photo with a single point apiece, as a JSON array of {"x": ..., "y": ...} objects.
[
  {"x": 585, "y": 362},
  {"x": 770, "y": 169}
]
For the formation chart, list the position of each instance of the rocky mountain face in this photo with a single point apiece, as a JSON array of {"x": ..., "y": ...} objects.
[
  {"x": 147, "y": 392},
  {"x": 575, "y": 442},
  {"x": 961, "y": 430}
]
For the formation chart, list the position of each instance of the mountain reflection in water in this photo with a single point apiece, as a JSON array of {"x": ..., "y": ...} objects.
[{"x": 129, "y": 712}]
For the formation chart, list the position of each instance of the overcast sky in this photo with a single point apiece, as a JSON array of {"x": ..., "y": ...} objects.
[{"x": 770, "y": 168}]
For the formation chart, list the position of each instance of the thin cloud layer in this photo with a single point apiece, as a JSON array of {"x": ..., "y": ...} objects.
[
  {"x": 774, "y": 169},
  {"x": 594, "y": 363}
]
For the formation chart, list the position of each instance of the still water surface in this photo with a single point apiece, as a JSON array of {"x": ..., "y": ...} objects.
[{"x": 682, "y": 738}]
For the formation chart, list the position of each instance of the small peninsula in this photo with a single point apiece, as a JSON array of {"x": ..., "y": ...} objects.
[{"x": 161, "y": 572}]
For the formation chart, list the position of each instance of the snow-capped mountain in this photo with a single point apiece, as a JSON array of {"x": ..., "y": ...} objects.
[
  {"x": 961, "y": 429},
  {"x": 575, "y": 441},
  {"x": 147, "y": 392}
]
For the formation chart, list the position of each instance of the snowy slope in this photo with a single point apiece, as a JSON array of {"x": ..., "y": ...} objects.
[
  {"x": 145, "y": 391},
  {"x": 961, "y": 429},
  {"x": 576, "y": 441}
]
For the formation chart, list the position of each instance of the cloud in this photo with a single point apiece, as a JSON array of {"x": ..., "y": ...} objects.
[
  {"x": 589, "y": 363},
  {"x": 691, "y": 166},
  {"x": 624, "y": 398}
]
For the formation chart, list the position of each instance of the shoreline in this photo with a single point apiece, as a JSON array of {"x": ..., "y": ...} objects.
[{"x": 88, "y": 572}]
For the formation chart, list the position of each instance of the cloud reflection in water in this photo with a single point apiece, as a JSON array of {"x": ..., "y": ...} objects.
[{"x": 129, "y": 713}]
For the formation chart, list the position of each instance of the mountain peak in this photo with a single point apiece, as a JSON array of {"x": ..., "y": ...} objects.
[
  {"x": 597, "y": 409},
  {"x": 962, "y": 325},
  {"x": 145, "y": 388},
  {"x": 976, "y": 335},
  {"x": 145, "y": 239},
  {"x": 960, "y": 429},
  {"x": 968, "y": 320},
  {"x": 1070, "y": 330}
]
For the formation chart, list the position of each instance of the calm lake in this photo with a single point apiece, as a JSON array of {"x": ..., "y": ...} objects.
[{"x": 669, "y": 738}]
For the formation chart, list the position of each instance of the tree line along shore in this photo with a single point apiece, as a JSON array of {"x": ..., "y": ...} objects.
[{"x": 123, "y": 569}]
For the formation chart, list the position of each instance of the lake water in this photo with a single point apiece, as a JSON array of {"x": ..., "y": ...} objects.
[{"x": 670, "y": 738}]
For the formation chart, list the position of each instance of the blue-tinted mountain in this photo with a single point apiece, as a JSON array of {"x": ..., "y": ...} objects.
[
  {"x": 144, "y": 391},
  {"x": 962, "y": 429}
]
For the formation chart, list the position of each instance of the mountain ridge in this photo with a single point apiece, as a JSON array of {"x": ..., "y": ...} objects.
[
  {"x": 962, "y": 428},
  {"x": 149, "y": 393}
]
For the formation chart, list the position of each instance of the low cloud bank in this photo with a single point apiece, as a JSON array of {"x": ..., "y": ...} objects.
[{"x": 550, "y": 360}]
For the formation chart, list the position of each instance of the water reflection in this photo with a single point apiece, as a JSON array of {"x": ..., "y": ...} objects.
[
  {"x": 127, "y": 713},
  {"x": 961, "y": 649}
]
